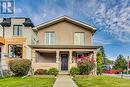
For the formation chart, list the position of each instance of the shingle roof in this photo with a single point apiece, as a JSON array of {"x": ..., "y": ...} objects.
[
  {"x": 28, "y": 22},
  {"x": 6, "y": 22}
]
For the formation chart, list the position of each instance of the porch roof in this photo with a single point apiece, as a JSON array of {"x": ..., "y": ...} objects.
[{"x": 64, "y": 46}]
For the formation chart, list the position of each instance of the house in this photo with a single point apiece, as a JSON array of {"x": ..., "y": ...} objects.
[
  {"x": 57, "y": 43},
  {"x": 15, "y": 35},
  {"x": 61, "y": 42}
]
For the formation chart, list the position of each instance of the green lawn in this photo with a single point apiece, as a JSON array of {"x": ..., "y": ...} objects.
[
  {"x": 101, "y": 81},
  {"x": 27, "y": 82}
]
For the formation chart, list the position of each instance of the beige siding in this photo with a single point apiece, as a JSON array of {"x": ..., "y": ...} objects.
[{"x": 64, "y": 33}]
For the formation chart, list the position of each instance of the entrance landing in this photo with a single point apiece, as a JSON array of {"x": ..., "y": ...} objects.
[{"x": 63, "y": 73}]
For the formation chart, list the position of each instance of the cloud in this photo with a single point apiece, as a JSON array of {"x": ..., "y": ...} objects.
[
  {"x": 101, "y": 41},
  {"x": 112, "y": 57},
  {"x": 115, "y": 17},
  {"x": 18, "y": 10},
  {"x": 47, "y": 10}
]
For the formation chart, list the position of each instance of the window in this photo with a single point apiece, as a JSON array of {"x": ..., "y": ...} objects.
[
  {"x": 15, "y": 51},
  {"x": 17, "y": 30},
  {"x": 79, "y": 38},
  {"x": 49, "y": 38}
]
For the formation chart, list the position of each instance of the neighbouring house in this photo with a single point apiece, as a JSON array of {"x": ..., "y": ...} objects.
[
  {"x": 15, "y": 35},
  {"x": 57, "y": 43}
]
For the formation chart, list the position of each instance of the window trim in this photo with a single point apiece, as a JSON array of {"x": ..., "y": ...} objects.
[
  {"x": 45, "y": 38},
  {"x": 74, "y": 38},
  {"x": 18, "y": 30}
]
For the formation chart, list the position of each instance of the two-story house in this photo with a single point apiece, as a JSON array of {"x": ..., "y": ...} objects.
[
  {"x": 61, "y": 42},
  {"x": 15, "y": 35}
]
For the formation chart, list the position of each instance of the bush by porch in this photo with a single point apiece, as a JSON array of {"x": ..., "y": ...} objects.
[{"x": 85, "y": 67}]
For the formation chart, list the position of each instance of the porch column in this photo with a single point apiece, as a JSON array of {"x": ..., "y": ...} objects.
[
  {"x": 95, "y": 57},
  {"x": 70, "y": 56},
  {"x": 57, "y": 56},
  {"x": 33, "y": 61},
  {"x": 57, "y": 59},
  {"x": 33, "y": 55},
  {"x": 70, "y": 59}
]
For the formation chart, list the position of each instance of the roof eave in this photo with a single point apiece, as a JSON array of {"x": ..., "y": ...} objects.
[
  {"x": 64, "y": 47},
  {"x": 91, "y": 28}
]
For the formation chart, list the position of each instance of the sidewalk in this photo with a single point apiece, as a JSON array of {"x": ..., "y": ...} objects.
[{"x": 64, "y": 81}]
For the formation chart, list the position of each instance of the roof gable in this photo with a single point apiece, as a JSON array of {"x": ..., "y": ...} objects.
[{"x": 68, "y": 19}]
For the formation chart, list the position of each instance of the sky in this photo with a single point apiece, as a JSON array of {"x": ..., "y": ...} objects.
[{"x": 110, "y": 17}]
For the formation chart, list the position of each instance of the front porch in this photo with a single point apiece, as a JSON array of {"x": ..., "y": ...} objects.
[{"x": 62, "y": 59}]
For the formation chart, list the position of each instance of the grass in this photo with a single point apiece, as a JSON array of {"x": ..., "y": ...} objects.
[
  {"x": 27, "y": 82},
  {"x": 101, "y": 81}
]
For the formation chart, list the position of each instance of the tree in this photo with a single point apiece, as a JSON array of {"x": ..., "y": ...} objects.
[
  {"x": 99, "y": 62},
  {"x": 120, "y": 63},
  {"x": 99, "y": 58},
  {"x": 103, "y": 52}
]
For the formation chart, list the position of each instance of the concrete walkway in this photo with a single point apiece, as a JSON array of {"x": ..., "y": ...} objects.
[{"x": 64, "y": 81}]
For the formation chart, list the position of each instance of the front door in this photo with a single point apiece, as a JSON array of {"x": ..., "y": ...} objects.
[{"x": 64, "y": 61}]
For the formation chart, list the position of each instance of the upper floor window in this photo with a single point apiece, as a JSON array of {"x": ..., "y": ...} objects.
[
  {"x": 49, "y": 38},
  {"x": 17, "y": 30},
  {"x": 79, "y": 38}
]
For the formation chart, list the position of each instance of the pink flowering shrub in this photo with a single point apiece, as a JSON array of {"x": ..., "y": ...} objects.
[
  {"x": 86, "y": 65},
  {"x": 86, "y": 57}
]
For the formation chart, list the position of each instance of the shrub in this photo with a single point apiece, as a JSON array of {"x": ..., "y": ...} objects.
[
  {"x": 19, "y": 67},
  {"x": 126, "y": 72},
  {"x": 53, "y": 71},
  {"x": 74, "y": 71},
  {"x": 40, "y": 72},
  {"x": 99, "y": 69},
  {"x": 86, "y": 66}
]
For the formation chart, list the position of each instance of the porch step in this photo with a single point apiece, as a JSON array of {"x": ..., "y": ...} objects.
[{"x": 63, "y": 73}]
